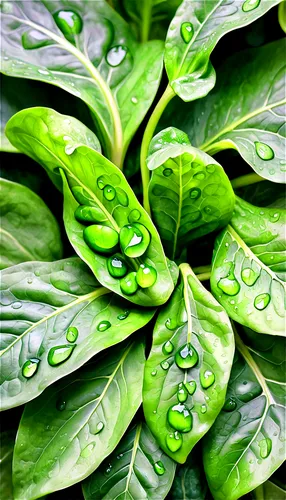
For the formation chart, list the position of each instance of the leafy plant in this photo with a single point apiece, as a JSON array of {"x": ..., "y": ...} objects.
[{"x": 87, "y": 338}]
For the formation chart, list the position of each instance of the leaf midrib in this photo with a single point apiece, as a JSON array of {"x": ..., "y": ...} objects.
[{"x": 17, "y": 243}]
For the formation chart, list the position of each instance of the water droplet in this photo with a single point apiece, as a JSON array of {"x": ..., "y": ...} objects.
[
  {"x": 191, "y": 386},
  {"x": 101, "y": 239},
  {"x": 274, "y": 217},
  {"x": 229, "y": 284},
  {"x": 229, "y": 405},
  {"x": 134, "y": 215},
  {"x": 195, "y": 193},
  {"x": 199, "y": 176},
  {"x": 43, "y": 72},
  {"x": 117, "y": 266},
  {"x": 248, "y": 276},
  {"x": 167, "y": 172},
  {"x": 207, "y": 378},
  {"x": 101, "y": 182},
  {"x": 154, "y": 373},
  {"x": 180, "y": 418},
  {"x": 85, "y": 213},
  {"x": 182, "y": 393},
  {"x": 265, "y": 446},
  {"x": 203, "y": 408},
  {"x": 168, "y": 347},
  {"x": 264, "y": 151},
  {"x": 128, "y": 284},
  {"x": 103, "y": 325},
  {"x": 69, "y": 22},
  {"x": 187, "y": 32},
  {"x": 134, "y": 239},
  {"x": 60, "y": 404},
  {"x": 30, "y": 367},
  {"x": 109, "y": 192},
  {"x": 72, "y": 334},
  {"x": 249, "y": 5},
  {"x": 134, "y": 100},
  {"x": 99, "y": 427},
  {"x": 116, "y": 55},
  {"x": 211, "y": 168},
  {"x": 16, "y": 305},
  {"x": 165, "y": 365},
  {"x": 262, "y": 301},
  {"x": 146, "y": 276},
  {"x": 34, "y": 39},
  {"x": 122, "y": 197},
  {"x": 87, "y": 451},
  {"x": 124, "y": 315},
  {"x": 29, "y": 281},
  {"x": 194, "y": 216},
  {"x": 59, "y": 354},
  {"x": 171, "y": 324},
  {"x": 174, "y": 441},
  {"x": 159, "y": 468},
  {"x": 186, "y": 357}
]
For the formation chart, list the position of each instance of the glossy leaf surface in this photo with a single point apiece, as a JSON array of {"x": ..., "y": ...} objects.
[
  {"x": 194, "y": 32},
  {"x": 40, "y": 302},
  {"x": 190, "y": 482},
  {"x": 249, "y": 291},
  {"x": 189, "y": 192},
  {"x": 263, "y": 231},
  {"x": 28, "y": 229},
  {"x": 92, "y": 180},
  {"x": 192, "y": 317},
  {"x": 130, "y": 471},
  {"x": 77, "y": 422},
  {"x": 247, "y": 441},
  {"x": 7, "y": 439}
]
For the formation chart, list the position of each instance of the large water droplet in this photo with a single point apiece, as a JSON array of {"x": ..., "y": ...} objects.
[
  {"x": 134, "y": 215},
  {"x": 116, "y": 55},
  {"x": 99, "y": 427},
  {"x": 87, "y": 451},
  {"x": 122, "y": 197},
  {"x": 187, "y": 32},
  {"x": 165, "y": 365},
  {"x": 109, "y": 192},
  {"x": 30, "y": 367},
  {"x": 34, "y": 39},
  {"x": 249, "y": 5},
  {"x": 101, "y": 182},
  {"x": 229, "y": 405},
  {"x": 146, "y": 276},
  {"x": 117, "y": 266},
  {"x": 191, "y": 386},
  {"x": 128, "y": 284},
  {"x": 168, "y": 347},
  {"x": 103, "y": 325},
  {"x": 85, "y": 213},
  {"x": 249, "y": 276},
  {"x": 124, "y": 315},
  {"x": 262, "y": 301},
  {"x": 195, "y": 193},
  {"x": 264, "y": 151},
  {"x": 207, "y": 378},
  {"x": 59, "y": 354},
  {"x": 174, "y": 441},
  {"x": 187, "y": 356},
  {"x": 229, "y": 284},
  {"x": 69, "y": 22},
  {"x": 167, "y": 172},
  {"x": 171, "y": 324},
  {"x": 182, "y": 393},
  {"x": 180, "y": 418},
  {"x": 211, "y": 168},
  {"x": 72, "y": 334},
  {"x": 265, "y": 446},
  {"x": 159, "y": 468},
  {"x": 134, "y": 239},
  {"x": 101, "y": 239}
]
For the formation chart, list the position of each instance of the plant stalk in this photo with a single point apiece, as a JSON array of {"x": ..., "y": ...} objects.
[
  {"x": 203, "y": 273},
  {"x": 246, "y": 180}
]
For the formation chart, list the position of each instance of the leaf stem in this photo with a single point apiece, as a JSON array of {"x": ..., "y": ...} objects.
[
  {"x": 148, "y": 134},
  {"x": 246, "y": 180},
  {"x": 146, "y": 20},
  {"x": 203, "y": 273}
]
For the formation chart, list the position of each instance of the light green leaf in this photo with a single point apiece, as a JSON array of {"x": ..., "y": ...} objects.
[
  {"x": 130, "y": 471},
  {"x": 189, "y": 192},
  {"x": 249, "y": 291},
  {"x": 77, "y": 422},
  {"x": 193, "y": 34},
  {"x": 247, "y": 441},
  {"x": 7, "y": 440},
  {"x": 40, "y": 303},
  {"x": 282, "y": 15},
  {"x": 195, "y": 323},
  {"x": 28, "y": 229}
]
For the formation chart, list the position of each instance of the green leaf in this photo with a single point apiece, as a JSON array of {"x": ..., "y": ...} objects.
[
  {"x": 190, "y": 482},
  {"x": 193, "y": 34},
  {"x": 263, "y": 194},
  {"x": 40, "y": 303},
  {"x": 193, "y": 321},
  {"x": 245, "y": 445},
  {"x": 282, "y": 15},
  {"x": 269, "y": 491},
  {"x": 130, "y": 471},
  {"x": 86, "y": 173},
  {"x": 245, "y": 109},
  {"x": 7, "y": 440},
  {"x": 263, "y": 231},
  {"x": 95, "y": 59},
  {"x": 249, "y": 291},
  {"x": 77, "y": 422},
  {"x": 28, "y": 229},
  {"x": 189, "y": 192}
]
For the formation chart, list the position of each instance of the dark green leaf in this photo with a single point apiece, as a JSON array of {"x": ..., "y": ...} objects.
[
  {"x": 247, "y": 441},
  {"x": 249, "y": 290},
  {"x": 269, "y": 491},
  {"x": 28, "y": 229},
  {"x": 194, "y": 32},
  {"x": 189, "y": 192},
  {"x": 40, "y": 302},
  {"x": 130, "y": 471},
  {"x": 7, "y": 440},
  {"x": 193, "y": 318},
  {"x": 76, "y": 423},
  {"x": 190, "y": 482}
]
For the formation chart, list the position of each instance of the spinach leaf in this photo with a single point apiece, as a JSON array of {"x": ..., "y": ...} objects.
[
  {"x": 54, "y": 318},
  {"x": 88, "y": 50},
  {"x": 245, "y": 445},
  {"x": 137, "y": 468},
  {"x": 190, "y": 482},
  {"x": 269, "y": 491},
  {"x": 245, "y": 111},
  {"x": 249, "y": 290},
  {"x": 7, "y": 440},
  {"x": 77, "y": 422},
  {"x": 95, "y": 185},
  {"x": 263, "y": 231},
  {"x": 282, "y": 15},
  {"x": 193, "y": 34},
  {"x": 28, "y": 229},
  {"x": 189, "y": 192},
  {"x": 186, "y": 374}
]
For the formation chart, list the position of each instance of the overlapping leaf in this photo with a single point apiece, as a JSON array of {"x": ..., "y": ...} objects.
[
  {"x": 190, "y": 482},
  {"x": 7, "y": 440}
]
